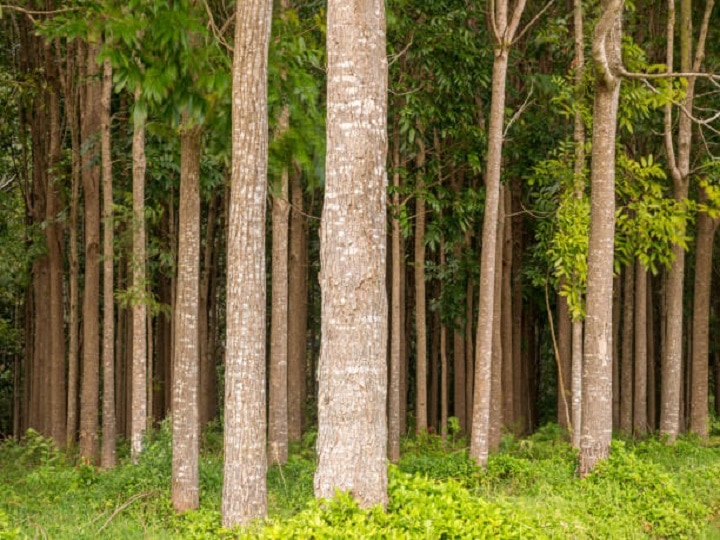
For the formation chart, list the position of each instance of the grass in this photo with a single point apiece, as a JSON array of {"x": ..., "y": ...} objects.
[{"x": 645, "y": 490}]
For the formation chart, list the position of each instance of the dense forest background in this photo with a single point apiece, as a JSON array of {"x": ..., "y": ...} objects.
[{"x": 115, "y": 194}]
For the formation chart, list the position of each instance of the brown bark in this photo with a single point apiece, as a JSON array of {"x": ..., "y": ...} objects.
[
  {"x": 352, "y": 372},
  {"x": 459, "y": 375},
  {"x": 616, "y": 314},
  {"x": 517, "y": 302},
  {"x": 651, "y": 361},
  {"x": 245, "y": 485},
  {"x": 297, "y": 312},
  {"x": 186, "y": 363},
  {"x": 278, "y": 406},
  {"x": 699, "y": 416},
  {"x": 576, "y": 387},
  {"x": 434, "y": 383},
  {"x": 496, "y": 370},
  {"x": 469, "y": 349},
  {"x": 207, "y": 384},
  {"x": 641, "y": 369},
  {"x": 421, "y": 388},
  {"x": 107, "y": 457},
  {"x": 396, "y": 330},
  {"x": 597, "y": 360},
  {"x": 627, "y": 360},
  {"x": 90, "y": 383}
]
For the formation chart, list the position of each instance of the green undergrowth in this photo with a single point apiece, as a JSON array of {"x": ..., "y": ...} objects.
[{"x": 529, "y": 490}]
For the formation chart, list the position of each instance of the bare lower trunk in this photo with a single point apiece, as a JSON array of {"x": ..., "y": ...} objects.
[
  {"x": 107, "y": 458},
  {"x": 651, "y": 361},
  {"x": 297, "y": 312},
  {"x": 469, "y": 350},
  {"x": 207, "y": 389},
  {"x": 640, "y": 394},
  {"x": 245, "y": 486},
  {"x": 577, "y": 361},
  {"x": 496, "y": 372},
  {"x": 352, "y": 371},
  {"x": 395, "y": 316},
  {"x": 507, "y": 312},
  {"x": 90, "y": 385},
  {"x": 186, "y": 364},
  {"x": 138, "y": 421},
  {"x": 626, "y": 364},
  {"x": 616, "y": 314},
  {"x": 421, "y": 389},
  {"x": 278, "y": 406},
  {"x": 564, "y": 342},
  {"x": 701, "y": 324}
]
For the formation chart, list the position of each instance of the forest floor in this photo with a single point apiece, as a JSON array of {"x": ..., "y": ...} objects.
[{"x": 645, "y": 490}]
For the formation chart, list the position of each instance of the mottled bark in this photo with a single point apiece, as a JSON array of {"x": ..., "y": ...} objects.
[
  {"x": 597, "y": 359},
  {"x": 278, "y": 406},
  {"x": 138, "y": 415},
  {"x": 186, "y": 360},
  {"x": 245, "y": 485},
  {"x": 90, "y": 383},
  {"x": 352, "y": 373},
  {"x": 107, "y": 457}
]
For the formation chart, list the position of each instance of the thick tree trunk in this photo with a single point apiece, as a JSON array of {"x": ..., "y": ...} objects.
[
  {"x": 597, "y": 361},
  {"x": 186, "y": 362},
  {"x": 701, "y": 322},
  {"x": 278, "y": 406},
  {"x": 138, "y": 419},
  {"x": 352, "y": 373},
  {"x": 245, "y": 485},
  {"x": 90, "y": 384},
  {"x": 641, "y": 370},
  {"x": 107, "y": 457},
  {"x": 627, "y": 361},
  {"x": 297, "y": 312}
]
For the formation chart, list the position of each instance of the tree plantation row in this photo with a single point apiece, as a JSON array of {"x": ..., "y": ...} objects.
[{"x": 360, "y": 219}]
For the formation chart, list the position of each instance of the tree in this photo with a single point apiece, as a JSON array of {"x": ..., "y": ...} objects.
[
  {"x": 352, "y": 373},
  {"x": 597, "y": 359},
  {"x": 245, "y": 485},
  {"x": 504, "y": 32}
]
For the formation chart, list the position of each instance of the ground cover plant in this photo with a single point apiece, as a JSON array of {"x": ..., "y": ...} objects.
[{"x": 529, "y": 490}]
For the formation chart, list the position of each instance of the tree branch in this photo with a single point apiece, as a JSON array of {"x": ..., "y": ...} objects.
[{"x": 533, "y": 21}]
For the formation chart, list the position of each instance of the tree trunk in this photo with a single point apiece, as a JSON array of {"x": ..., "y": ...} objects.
[
  {"x": 469, "y": 349},
  {"x": 577, "y": 387},
  {"x": 297, "y": 312},
  {"x": 186, "y": 363},
  {"x": 245, "y": 485},
  {"x": 496, "y": 372},
  {"x": 627, "y": 361},
  {"x": 207, "y": 385},
  {"x": 90, "y": 384},
  {"x": 395, "y": 314},
  {"x": 107, "y": 458},
  {"x": 564, "y": 341},
  {"x": 138, "y": 407},
  {"x": 597, "y": 361},
  {"x": 651, "y": 362},
  {"x": 701, "y": 322},
  {"x": 616, "y": 315},
  {"x": 421, "y": 387},
  {"x": 517, "y": 303},
  {"x": 278, "y": 407},
  {"x": 640, "y": 393},
  {"x": 352, "y": 373}
]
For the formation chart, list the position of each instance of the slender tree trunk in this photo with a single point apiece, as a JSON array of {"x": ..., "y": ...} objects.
[
  {"x": 679, "y": 165},
  {"x": 138, "y": 407},
  {"x": 517, "y": 303},
  {"x": 469, "y": 349},
  {"x": 564, "y": 341},
  {"x": 245, "y": 485},
  {"x": 434, "y": 387},
  {"x": 297, "y": 312},
  {"x": 107, "y": 458},
  {"x": 90, "y": 384},
  {"x": 597, "y": 361},
  {"x": 421, "y": 389},
  {"x": 701, "y": 322},
  {"x": 395, "y": 314},
  {"x": 207, "y": 385},
  {"x": 459, "y": 376},
  {"x": 186, "y": 364},
  {"x": 616, "y": 314},
  {"x": 641, "y": 369},
  {"x": 352, "y": 373},
  {"x": 71, "y": 107},
  {"x": 496, "y": 372},
  {"x": 278, "y": 407},
  {"x": 627, "y": 361},
  {"x": 651, "y": 362},
  {"x": 577, "y": 359}
]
